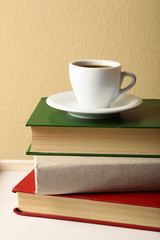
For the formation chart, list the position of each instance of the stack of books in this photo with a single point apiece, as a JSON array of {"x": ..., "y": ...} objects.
[{"x": 97, "y": 171}]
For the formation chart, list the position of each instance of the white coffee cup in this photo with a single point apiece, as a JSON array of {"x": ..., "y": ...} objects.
[{"x": 95, "y": 85}]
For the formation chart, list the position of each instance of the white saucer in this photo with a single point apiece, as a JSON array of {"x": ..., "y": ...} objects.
[{"x": 66, "y": 101}]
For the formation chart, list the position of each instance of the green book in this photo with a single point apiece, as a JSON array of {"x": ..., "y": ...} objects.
[{"x": 135, "y": 132}]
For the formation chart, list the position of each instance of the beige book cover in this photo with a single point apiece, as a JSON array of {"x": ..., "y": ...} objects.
[{"x": 76, "y": 174}]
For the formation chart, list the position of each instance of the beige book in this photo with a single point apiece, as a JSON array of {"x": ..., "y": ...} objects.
[{"x": 87, "y": 174}]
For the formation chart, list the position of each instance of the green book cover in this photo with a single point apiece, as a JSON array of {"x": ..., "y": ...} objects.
[
  {"x": 145, "y": 116},
  {"x": 29, "y": 152}
]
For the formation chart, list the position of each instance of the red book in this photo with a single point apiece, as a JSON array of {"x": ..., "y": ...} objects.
[{"x": 138, "y": 210}]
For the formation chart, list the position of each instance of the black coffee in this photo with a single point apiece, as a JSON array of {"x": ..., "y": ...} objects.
[{"x": 96, "y": 66}]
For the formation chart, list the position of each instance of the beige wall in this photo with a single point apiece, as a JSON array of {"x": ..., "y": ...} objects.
[{"x": 38, "y": 38}]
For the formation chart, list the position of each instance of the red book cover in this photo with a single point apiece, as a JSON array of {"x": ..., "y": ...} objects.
[{"x": 146, "y": 199}]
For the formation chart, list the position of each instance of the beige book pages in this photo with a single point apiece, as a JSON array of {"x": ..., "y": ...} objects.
[
  {"x": 97, "y": 141},
  {"x": 87, "y": 209}
]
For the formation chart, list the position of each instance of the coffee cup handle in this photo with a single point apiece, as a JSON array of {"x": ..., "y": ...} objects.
[{"x": 123, "y": 75}]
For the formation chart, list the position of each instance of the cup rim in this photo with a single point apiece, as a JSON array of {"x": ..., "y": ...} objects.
[{"x": 79, "y": 63}]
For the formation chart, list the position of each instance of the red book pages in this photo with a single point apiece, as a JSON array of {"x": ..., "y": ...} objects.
[{"x": 147, "y": 199}]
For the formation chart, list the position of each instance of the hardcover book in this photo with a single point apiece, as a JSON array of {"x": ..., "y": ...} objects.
[
  {"x": 77, "y": 174},
  {"x": 131, "y": 133},
  {"x": 132, "y": 210}
]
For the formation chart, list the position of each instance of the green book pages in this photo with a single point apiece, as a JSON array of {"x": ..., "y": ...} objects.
[{"x": 145, "y": 116}]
